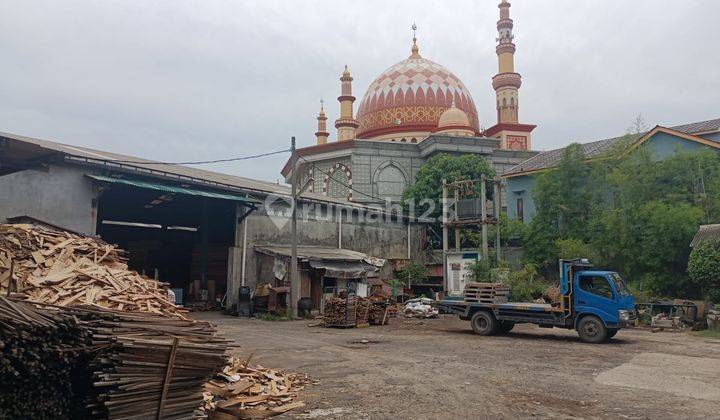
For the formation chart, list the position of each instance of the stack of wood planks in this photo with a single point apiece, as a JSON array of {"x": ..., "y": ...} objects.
[
  {"x": 242, "y": 392},
  {"x": 491, "y": 293},
  {"x": 60, "y": 268},
  {"x": 150, "y": 366},
  {"x": 72, "y": 362},
  {"x": 39, "y": 356}
]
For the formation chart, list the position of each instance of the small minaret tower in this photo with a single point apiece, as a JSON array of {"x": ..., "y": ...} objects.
[
  {"x": 506, "y": 83},
  {"x": 322, "y": 133},
  {"x": 346, "y": 124}
]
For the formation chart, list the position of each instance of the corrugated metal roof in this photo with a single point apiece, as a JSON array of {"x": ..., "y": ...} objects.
[
  {"x": 599, "y": 148},
  {"x": 179, "y": 173},
  {"x": 174, "y": 189},
  {"x": 315, "y": 253},
  {"x": 704, "y": 233}
]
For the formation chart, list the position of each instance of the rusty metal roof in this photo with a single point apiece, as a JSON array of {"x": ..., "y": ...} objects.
[
  {"x": 316, "y": 253},
  {"x": 705, "y": 233}
]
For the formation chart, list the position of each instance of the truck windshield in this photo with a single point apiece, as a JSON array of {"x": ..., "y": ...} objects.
[{"x": 619, "y": 284}]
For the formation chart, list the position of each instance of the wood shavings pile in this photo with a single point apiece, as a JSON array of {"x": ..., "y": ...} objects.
[
  {"x": 60, "y": 268},
  {"x": 244, "y": 392}
]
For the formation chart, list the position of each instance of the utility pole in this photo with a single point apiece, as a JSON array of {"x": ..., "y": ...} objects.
[
  {"x": 457, "y": 219},
  {"x": 483, "y": 212},
  {"x": 497, "y": 204},
  {"x": 445, "y": 232},
  {"x": 294, "y": 278}
]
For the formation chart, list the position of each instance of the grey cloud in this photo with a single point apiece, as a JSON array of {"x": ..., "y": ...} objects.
[{"x": 186, "y": 80}]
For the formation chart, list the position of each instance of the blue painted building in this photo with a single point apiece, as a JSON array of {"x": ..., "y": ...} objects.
[{"x": 661, "y": 141}]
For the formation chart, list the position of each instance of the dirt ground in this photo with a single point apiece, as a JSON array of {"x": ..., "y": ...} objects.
[{"x": 439, "y": 369}]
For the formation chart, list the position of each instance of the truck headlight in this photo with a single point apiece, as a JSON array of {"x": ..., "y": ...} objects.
[{"x": 624, "y": 315}]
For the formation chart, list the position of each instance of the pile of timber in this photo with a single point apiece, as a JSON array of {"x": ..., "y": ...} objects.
[
  {"x": 349, "y": 312},
  {"x": 60, "y": 268},
  {"x": 39, "y": 357},
  {"x": 380, "y": 312},
  {"x": 491, "y": 293},
  {"x": 72, "y": 362},
  {"x": 341, "y": 312},
  {"x": 242, "y": 392}
]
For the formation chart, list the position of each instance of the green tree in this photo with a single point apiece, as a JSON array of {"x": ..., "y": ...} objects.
[
  {"x": 627, "y": 211},
  {"x": 704, "y": 269},
  {"x": 412, "y": 273},
  {"x": 428, "y": 183},
  {"x": 563, "y": 200}
]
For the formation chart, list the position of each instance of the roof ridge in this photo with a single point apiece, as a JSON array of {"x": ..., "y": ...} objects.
[{"x": 682, "y": 128}]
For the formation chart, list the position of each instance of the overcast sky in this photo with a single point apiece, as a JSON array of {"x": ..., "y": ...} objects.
[{"x": 193, "y": 80}]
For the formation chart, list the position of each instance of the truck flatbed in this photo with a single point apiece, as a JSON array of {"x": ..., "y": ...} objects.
[{"x": 514, "y": 306}]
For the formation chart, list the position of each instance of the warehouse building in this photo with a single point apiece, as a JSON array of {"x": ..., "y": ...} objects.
[{"x": 196, "y": 229}]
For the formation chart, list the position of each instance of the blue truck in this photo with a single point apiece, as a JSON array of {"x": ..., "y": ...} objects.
[{"x": 596, "y": 303}]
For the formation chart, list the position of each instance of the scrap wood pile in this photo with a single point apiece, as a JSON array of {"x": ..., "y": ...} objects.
[
  {"x": 491, "y": 293},
  {"x": 242, "y": 392},
  {"x": 71, "y": 362},
  {"x": 60, "y": 268},
  {"x": 39, "y": 352}
]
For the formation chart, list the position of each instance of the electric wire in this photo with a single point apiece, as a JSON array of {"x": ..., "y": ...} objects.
[{"x": 198, "y": 162}]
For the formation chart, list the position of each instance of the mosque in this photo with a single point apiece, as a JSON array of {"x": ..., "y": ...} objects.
[{"x": 412, "y": 111}]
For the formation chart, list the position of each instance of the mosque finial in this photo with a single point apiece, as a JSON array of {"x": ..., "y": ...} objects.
[{"x": 415, "y": 49}]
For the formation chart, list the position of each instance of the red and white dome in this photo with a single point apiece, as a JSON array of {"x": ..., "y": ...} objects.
[{"x": 409, "y": 97}]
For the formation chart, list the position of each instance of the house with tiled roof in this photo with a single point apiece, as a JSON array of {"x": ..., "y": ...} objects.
[{"x": 662, "y": 142}]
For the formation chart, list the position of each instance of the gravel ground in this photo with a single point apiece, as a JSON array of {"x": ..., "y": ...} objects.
[{"x": 439, "y": 369}]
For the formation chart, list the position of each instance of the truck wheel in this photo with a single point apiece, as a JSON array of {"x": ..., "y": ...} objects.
[
  {"x": 591, "y": 330},
  {"x": 506, "y": 326},
  {"x": 484, "y": 323},
  {"x": 611, "y": 333}
]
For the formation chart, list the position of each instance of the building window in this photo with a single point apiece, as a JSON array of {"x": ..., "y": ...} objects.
[
  {"x": 403, "y": 140},
  {"x": 520, "y": 210},
  {"x": 413, "y": 140}
]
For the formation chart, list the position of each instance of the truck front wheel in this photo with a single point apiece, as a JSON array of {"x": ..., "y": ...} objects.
[
  {"x": 591, "y": 330},
  {"x": 484, "y": 323}
]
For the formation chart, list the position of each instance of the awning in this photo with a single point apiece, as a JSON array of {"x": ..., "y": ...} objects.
[
  {"x": 344, "y": 269},
  {"x": 176, "y": 190}
]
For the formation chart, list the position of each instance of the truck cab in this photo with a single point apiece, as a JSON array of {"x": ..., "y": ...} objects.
[{"x": 597, "y": 293}]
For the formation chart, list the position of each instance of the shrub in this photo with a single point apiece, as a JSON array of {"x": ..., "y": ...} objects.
[
  {"x": 704, "y": 269},
  {"x": 525, "y": 285}
]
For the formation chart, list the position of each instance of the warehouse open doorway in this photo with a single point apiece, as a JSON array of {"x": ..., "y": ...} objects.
[{"x": 178, "y": 235}]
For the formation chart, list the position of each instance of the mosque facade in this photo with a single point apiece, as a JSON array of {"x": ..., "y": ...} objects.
[{"x": 412, "y": 111}]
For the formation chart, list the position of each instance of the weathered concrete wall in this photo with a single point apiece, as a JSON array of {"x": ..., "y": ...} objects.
[
  {"x": 372, "y": 235},
  {"x": 60, "y": 195}
]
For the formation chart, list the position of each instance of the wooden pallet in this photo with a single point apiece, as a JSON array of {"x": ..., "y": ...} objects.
[{"x": 487, "y": 293}]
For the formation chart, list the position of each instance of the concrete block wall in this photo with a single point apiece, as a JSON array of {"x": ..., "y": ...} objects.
[{"x": 59, "y": 195}]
